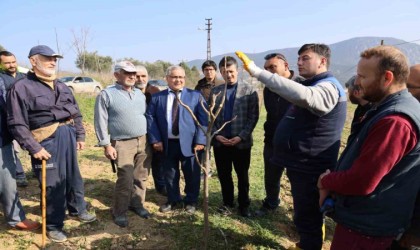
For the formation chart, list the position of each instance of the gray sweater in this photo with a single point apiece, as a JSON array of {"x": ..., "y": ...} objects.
[{"x": 119, "y": 114}]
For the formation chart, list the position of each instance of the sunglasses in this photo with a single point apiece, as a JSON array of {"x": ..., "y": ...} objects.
[{"x": 272, "y": 55}]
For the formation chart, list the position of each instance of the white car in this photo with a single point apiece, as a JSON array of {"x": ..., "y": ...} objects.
[{"x": 82, "y": 84}]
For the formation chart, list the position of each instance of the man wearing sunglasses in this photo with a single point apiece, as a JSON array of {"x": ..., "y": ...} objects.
[{"x": 276, "y": 107}]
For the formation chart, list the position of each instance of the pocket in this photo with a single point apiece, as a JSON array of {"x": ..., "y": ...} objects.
[
  {"x": 41, "y": 102},
  {"x": 53, "y": 176}
]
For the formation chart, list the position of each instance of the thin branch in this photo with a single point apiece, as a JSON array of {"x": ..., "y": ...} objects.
[
  {"x": 191, "y": 112},
  {"x": 224, "y": 124},
  {"x": 204, "y": 107},
  {"x": 198, "y": 161}
]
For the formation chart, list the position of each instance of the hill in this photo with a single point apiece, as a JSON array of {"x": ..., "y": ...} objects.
[{"x": 345, "y": 54}]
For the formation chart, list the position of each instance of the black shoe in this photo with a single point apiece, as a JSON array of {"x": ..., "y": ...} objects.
[
  {"x": 244, "y": 212},
  {"x": 263, "y": 211},
  {"x": 225, "y": 210},
  {"x": 121, "y": 220},
  {"x": 167, "y": 207},
  {"x": 190, "y": 208},
  {"x": 141, "y": 211}
]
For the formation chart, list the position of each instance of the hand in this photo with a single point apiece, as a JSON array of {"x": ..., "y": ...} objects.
[
  {"x": 319, "y": 184},
  {"x": 158, "y": 147},
  {"x": 110, "y": 152},
  {"x": 42, "y": 155},
  {"x": 223, "y": 140},
  {"x": 409, "y": 239},
  {"x": 80, "y": 145},
  {"x": 249, "y": 65},
  {"x": 235, "y": 140},
  {"x": 323, "y": 194},
  {"x": 198, "y": 147}
]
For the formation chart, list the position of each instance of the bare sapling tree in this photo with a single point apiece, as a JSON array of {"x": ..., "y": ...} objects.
[
  {"x": 79, "y": 45},
  {"x": 212, "y": 112}
]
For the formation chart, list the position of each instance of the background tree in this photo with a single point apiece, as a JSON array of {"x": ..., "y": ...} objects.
[
  {"x": 2, "y": 48},
  {"x": 79, "y": 44},
  {"x": 93, "y": 62}
]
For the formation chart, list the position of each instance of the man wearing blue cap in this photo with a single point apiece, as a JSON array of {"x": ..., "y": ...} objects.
[{"x": 45, "y": 119}]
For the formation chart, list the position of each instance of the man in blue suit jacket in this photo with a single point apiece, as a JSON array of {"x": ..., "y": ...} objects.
[{"x": 172, "y": 130}]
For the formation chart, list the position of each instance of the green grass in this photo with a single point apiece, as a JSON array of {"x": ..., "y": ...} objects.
[{"x": 178, "y": 230}]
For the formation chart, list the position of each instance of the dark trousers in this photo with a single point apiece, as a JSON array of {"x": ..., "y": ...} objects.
[
  {"x": 64, "y": 183},
  {"x": 190, "y": 169},
  {"x": 158, "y": 171},
  {"x": 307, "y": 217},
  {"x": 225, "y": 157},
  {"x": 272, "y": 176}
]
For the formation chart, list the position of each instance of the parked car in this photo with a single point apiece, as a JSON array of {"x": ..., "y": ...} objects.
[
  {"x": 82, "y": 84},
  {"x": 161, "y": 84}
]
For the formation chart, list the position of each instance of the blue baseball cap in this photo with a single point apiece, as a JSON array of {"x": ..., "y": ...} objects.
[{"x": 43, "y": 50}]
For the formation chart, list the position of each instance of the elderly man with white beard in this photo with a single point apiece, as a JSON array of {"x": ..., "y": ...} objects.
[{"x": 44, "y": 118}]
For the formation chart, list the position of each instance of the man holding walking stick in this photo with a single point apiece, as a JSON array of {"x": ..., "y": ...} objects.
[{"x": 45, "y": 119}]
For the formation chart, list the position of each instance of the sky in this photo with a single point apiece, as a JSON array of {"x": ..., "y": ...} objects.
[{"x": 174, "y": 31}]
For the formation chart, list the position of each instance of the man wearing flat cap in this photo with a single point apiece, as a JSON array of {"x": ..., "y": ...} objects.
[
  {"x": 44, "y": 118},
  {"x": 121, "y": 130}
]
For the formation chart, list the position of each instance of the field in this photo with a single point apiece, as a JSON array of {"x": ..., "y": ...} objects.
[{"x": 177, "y": 230}]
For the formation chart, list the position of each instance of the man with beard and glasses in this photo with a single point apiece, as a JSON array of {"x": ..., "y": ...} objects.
[
  {"x": 8, "y": 76},
  {"x": 121, "y": 128},
  {"x": 44, "y": 118}
]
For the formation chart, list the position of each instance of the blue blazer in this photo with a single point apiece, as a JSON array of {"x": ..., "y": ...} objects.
[{"x": 189, "y": 133}]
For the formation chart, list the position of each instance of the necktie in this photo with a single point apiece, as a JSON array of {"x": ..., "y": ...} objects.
[{"x": 175, "y": 115}]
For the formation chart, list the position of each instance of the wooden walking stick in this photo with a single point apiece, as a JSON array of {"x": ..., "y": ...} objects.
[{"x": 44, "y": 202}]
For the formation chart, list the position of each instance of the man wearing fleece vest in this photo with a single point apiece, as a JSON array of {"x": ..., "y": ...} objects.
[
  {"x": 121, "y": 127},
  {"x": 376, "y": 181},
  {"x": 307, "y": 139}
]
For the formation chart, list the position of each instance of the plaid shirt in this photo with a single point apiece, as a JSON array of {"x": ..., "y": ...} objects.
[{"x": 245, "y": 108}]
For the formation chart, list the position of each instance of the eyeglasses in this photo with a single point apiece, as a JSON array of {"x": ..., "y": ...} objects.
[
  {"x": 272, "y": 55},
  {"x": 177, "y": 77}
]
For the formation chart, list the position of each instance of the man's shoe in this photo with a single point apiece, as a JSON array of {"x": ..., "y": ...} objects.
[
  {"x": 21, "y": 182},
  {"x": 27, "y": 225},
  {"x": 84, "y": 217},
  {"x": 225, "y": 210},
  {"x": 166, "y": 208},
  {"x": 263, "y": 211},
  {"x": 121, "y": 220},
  {"x": 57, "y": 236},
  {"x": 244, "y": 212},
  {"x": 190, "y": 208},
  {"x": 141, "y": 211}
]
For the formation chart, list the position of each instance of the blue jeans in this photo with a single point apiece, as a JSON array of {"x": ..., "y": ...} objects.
[
  {"x": 12, "y": 208},
  {"x": 307, "y": 217}
]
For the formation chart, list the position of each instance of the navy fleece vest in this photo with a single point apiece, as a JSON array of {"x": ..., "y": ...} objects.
[
  {"x": 388, "y": 209},
  {"x": 307, "y": 143}
]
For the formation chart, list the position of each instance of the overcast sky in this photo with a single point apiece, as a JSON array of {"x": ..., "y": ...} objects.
[{"x": 169, "y": 30}]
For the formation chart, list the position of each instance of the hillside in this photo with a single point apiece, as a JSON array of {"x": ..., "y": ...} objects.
[{"x": 345, "y": 54}]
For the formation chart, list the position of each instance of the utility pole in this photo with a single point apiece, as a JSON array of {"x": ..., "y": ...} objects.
[{"x": 208, "y": 38}]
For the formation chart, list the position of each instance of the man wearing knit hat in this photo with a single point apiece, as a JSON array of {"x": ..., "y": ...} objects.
[{"x": 44, "y": 118}]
